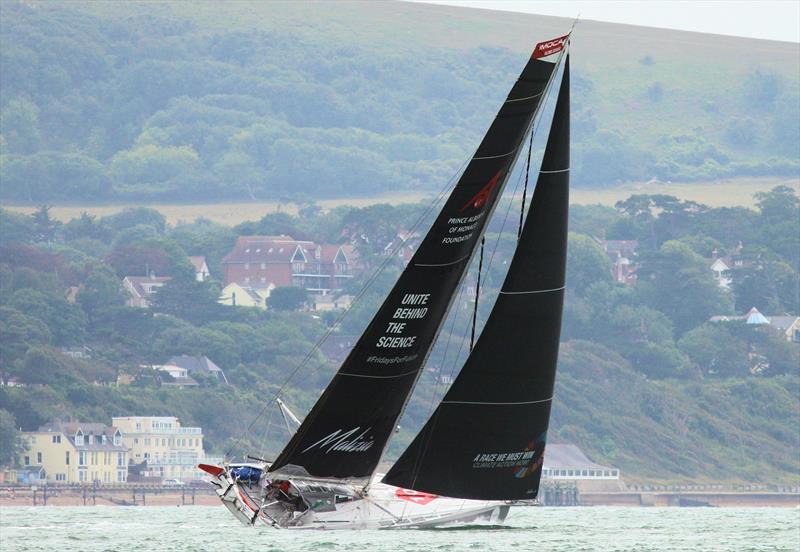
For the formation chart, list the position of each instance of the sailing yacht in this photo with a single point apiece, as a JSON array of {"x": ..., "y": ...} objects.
[{"x": 481, "y": 451}]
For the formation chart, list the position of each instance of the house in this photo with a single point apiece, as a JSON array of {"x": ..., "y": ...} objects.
[
  {"x": 336, "y": 347},
  {"x": 788, "y": 325},
  {"x": 236, "y": 295},
  {"x": 623, "y": 258},
  {"x": 179, "y": 376},
  {"x": 402, "y": 246},
  {"x": 721, "y": 266},
  {"x": 567, "y": 461},
  {"x": 201, "y": 272},
  {"x": 261, "y": 262},
  {"x": 141, "y": 289},
  {"x": 171, "y": 450},
  {"x": 329, "y": 302},
  {"x": 76, "y": 452},
  {"x": 198, "y": 365}
]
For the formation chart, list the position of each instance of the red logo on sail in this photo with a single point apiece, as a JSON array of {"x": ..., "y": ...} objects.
[
  {"x": 416, "y": 497},
  {"x": 479, "y": 199},
  {"x": 549, "y": 47}
]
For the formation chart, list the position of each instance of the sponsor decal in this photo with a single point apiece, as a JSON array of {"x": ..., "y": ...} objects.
[
  {"x": 522, "y": 462},
  {"x": 348, "y": 441},
  {"x": 416, "y": 497},
  {"x": 550, "y": 47},
  {"x": 479, "y": 199}
]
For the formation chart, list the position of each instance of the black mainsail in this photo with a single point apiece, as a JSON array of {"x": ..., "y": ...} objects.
[
  {"x": 486, "y": 438},
  {"x": 346, "y": 432}
]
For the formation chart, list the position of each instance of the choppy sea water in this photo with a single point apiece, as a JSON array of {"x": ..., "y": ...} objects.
[{"x": 98, "y": 528}]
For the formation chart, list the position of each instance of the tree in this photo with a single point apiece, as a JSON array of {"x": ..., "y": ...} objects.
[
  {"x": 101, "y": 291},
  {"x": 677, "y": 282},
  {"x": 586, "y": 263},
  {"x": 46, "y": 366},
  {"x": 11, "y": 442},
  {"x": 715, "y": 351},
  {"x": 189, "y": 299},
  {"x": 18, "y": 333},
  {"x": 287, "y": 298},
  {"x": 66, "y": 322}
]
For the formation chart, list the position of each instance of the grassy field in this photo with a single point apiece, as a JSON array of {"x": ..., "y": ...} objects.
[{"x": 716, "y": 194}]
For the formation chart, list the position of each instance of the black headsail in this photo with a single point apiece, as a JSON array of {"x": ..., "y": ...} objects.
[
  {"x": 346, "y": 432},
  {"x": 486, "y": 439}
]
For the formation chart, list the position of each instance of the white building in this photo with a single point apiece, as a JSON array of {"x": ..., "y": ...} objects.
[{"x": 171, "y": 450}]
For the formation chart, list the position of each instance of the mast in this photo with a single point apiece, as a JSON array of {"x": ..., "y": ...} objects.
[
  {"x": 486, "y": 438},
  {"x": 347, "y": 430}
]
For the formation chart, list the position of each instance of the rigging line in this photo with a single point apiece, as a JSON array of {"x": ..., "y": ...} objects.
[
  {"x": 265, "y": 436},
  {"x": 447, "y": 187},
  {"x": 478, "y": 291},
  {"x": 426, "y": 439},
  {"x": 525, "y": 188},
  {"x": 438, "y": 382}
]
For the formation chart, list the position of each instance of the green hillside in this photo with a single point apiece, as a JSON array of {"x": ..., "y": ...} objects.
[
  {"x": 646, "y": 382},
  {"x": 252, "y": 101}
]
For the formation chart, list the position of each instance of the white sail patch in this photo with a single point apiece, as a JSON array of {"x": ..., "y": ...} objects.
[
  {"x": 342, "y": 442},
  {"x": 412, "y": 307},
  {"x": 461, "y": 229},
  {"x": 502, "y": 459}
]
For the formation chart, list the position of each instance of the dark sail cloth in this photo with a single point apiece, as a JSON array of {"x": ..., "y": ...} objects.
[
  {"x": 486, "y": 439},
  {"x": 346, "y": 432}
]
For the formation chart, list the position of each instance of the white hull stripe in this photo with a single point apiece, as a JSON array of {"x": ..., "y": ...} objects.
[
  {"x": 444, "y": 264},
  {"x": 525, "y": 98},
  {"x": 554, "y": 172},
  {"x": 498, "y": 403},
  {"x": 532, "y": 291}
]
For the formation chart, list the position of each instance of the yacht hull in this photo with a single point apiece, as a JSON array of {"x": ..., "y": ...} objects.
[{"x": 383, "y": 507}]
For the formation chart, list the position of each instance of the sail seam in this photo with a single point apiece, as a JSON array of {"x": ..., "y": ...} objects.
[
  {"x": 525, "y": 98},
  {"x": 379, "y": 377},
  {"x": 532, "y": 291},
  {"x": 495, "y": 156},
  {"x": 552, "y": 172},
  {"x": 497, "y": 403},
  {"x": 443, "y": 264}
]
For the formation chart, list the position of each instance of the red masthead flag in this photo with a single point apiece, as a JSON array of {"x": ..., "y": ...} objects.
[{"x": 549, "y": 47}]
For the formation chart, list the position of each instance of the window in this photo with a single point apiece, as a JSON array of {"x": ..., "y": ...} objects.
[
  {"x": 82, "y": 475},
  {"x": 121, "y": 476},
  {"x": 120, "y": 459},
  {"x": 147, "y": 440},
  {"x": 27, "y": 460},
  {"x": 147, "y": 456},
  {"x": 66, "y": 458},
  {"x": 82, "y": 458},
  {"x": 38, "y": 457},
  {"x": 163, "y": 442},
  {"x": 117, "y": 439},
  {"x": 103, "y": 439},
  {"x": 91, "y": 439},
  {"x": 138, "y": 426},
  {"x": 136, "y": 441},
  {"x": 61, "y": 477},
  {"x": 79, "y": 438},
  {"x": 56, "y": 438}
]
